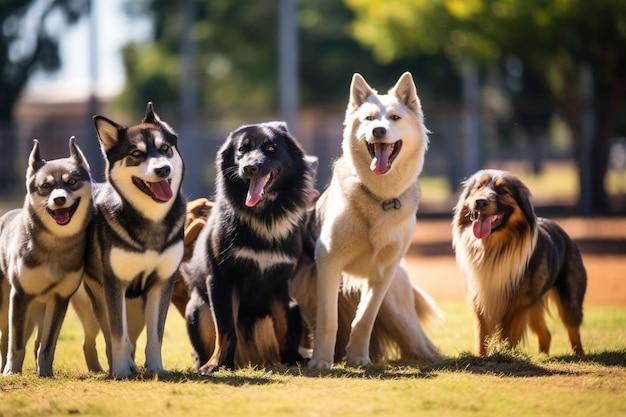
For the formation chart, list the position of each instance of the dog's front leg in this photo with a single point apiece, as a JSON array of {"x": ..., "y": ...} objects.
[
  {"x": 328, "y": 280},
  {"x": 358, "y": 349},
  {"x": 482, "y": 332},
  {"x": 200, "y": 328},
  {"x": 4, "y": 321},
  {"x": 157, "y": 303},
  {"x": 95, "y": 291},
  {"x": 121, "y": 364},
  {"x": 85, "y": 311},
  {"x": 221, "y": 298},
  {"x": 53, "y": 319},
  {"x": 18, "y": 315}
]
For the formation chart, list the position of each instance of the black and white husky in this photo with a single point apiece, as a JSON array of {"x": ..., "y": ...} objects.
[
  {"x": 249, "y": 250},
  {"x": 136, "y": 239},
  {"x": 42, "y": 250}
]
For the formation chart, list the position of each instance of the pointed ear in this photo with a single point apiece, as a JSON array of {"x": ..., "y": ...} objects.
[
  {"x": 77, "y": 154},
  {"x": 151, "y": 116},
  {"x": 35, "y": 161},
  {"x": 108, "y": 132},
  {"x": 406, "y": 92},
  {"x": 359, "y": 91}
]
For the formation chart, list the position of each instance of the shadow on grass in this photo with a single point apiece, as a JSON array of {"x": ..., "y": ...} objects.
[
  {"x": 510, "y": 364},
  {"x": 236, "y": 378},
  {"x": 606, "y": 358},
  {"x": 387, "y": 371}
]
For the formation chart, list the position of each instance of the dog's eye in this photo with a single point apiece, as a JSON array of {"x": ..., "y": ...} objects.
[
  {"x": 71, "y": 181},
  {"x": 165, "y": 147},
  {"x": 395, "y": 117},
  {"x": 46, "y": 186},
  {"x": 270, "y": 147},
  {"x": 136, "y": 153},
  {"x": 369, "y": 118},
  {"x": 241, "y": 149}
]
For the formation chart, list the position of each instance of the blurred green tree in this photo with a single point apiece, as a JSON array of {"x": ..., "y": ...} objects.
[
  {"x": 576, "y": 47},
  {"x": 236, "y": 64},
  {"x": 29, "y": 41}
]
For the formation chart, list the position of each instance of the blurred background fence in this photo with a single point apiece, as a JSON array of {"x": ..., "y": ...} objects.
[{"x": 531, "y": 86}]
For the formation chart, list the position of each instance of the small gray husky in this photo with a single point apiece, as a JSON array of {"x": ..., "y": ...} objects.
[
  {"x": 42, "y": 251},
  {"x": 136, "y": 238}
]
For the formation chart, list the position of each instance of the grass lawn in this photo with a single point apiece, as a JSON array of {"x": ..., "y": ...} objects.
[{"x": 508, "y": 384}]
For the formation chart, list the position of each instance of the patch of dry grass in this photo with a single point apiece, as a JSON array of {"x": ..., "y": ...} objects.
[{"x": 507, "y": 383}]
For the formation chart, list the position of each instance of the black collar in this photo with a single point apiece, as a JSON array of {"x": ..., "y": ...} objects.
[{"x": 391, "y": 204}]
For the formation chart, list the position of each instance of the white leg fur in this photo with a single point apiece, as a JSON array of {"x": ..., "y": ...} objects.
[
  {"x": 154, "y": 361},
  {"x": 122, "y": 364},
  {"x": 357, "y": 351},
  {"x": 328, "y": 279}
]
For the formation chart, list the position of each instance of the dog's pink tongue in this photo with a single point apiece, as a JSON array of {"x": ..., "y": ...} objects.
[
  {"x": 256, "y": 190},
  {"x": 61, "y": 216},
  {"x": 482, "y": 226},
  {"x": 161, "y": 190},
  {"x": 380, "y": 162}
]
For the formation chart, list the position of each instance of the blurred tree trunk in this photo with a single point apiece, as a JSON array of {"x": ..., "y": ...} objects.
[
  {"x": 607, "y": 112},
  {"x": 8, "y": 136},
  {"x": 592, "y": 117},
  {"x": 471, "y": 118}
]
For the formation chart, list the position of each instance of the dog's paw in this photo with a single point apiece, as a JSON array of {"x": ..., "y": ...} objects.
[
  {"x": 207, "y": 370},
  {"x": 122, "y": 372},
  {"x": 319, "y": 364},
  {"x": 157, "y": 371},
  {"x": 45, "y": 373},
  {"x": 209, "y": 367},
  {"x": 9, "y": 371},
  {"x": 359, "y": 361}
]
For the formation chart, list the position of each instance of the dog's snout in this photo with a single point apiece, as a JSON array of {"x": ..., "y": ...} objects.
[
  {"x": 251, "y": 169},
  {"x": 379, "y": 132},
  {"x": 163, "y": 171},
  {"x": 59, "y": 201},
  {"x": 481, "y": 204}
]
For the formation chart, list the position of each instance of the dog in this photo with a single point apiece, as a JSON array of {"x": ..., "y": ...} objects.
[
  {"x": 42, "y": 250},
  {"x": 514, "y": 261},
  {"x": 136, "y": 238},
  {"x": 396, "y": 333},
  {"x": 249, "y": 250},
  {"x": 367, "y": 214}
]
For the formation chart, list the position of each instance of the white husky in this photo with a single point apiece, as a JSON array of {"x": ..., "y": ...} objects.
[{"x": 368, "y": 212}]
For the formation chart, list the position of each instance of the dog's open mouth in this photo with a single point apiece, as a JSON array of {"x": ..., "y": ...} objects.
[
  {"x": 63, "y": 216},
  {"x": 258, "y": 186},
  {"x": 383, "y": 155},
  {"x": 483, "y": 224},
  {"x": 160, "y": 191}
]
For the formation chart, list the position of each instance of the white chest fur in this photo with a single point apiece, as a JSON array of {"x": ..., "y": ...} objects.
[
  {"x": 44, "y": 280},
  {"x": 127, "y": 265},
  {"x": 264, "y": 260}
]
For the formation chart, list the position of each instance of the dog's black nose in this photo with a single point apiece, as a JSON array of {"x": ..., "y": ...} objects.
[
  {"x": 481, "y": 203},
  {"x": 250, "y": 169},
  {"x": 163, "y": 171},
  {"x": 379, "y": 132},
  {"x": 59, "y": 201}
]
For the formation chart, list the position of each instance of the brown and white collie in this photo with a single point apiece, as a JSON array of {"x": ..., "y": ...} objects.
[{"x": 514, "y": 261}]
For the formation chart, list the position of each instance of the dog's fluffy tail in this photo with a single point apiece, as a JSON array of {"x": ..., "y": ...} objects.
[
  {"x": 397, "y": 332},
  {"x": 427, "y": 310}
]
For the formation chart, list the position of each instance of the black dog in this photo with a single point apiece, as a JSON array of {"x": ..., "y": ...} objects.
[{"x": 249, "y": 250}]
